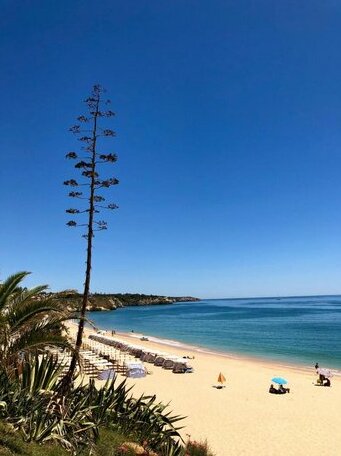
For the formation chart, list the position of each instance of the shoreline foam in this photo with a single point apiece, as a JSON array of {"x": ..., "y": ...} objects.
[{"x": 230, "y": 355}]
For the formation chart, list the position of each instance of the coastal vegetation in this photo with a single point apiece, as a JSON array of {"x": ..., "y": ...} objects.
[
  {"x": 112, "y": 301},
  {"x": 83, "y": 419},
  {"x": 110, "y": 443},
  {"x": 32, "y": 404}
]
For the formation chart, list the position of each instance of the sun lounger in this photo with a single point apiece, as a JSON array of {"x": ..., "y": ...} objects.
[
  {"x": 160, "y": 360},
  {"x": 182, "y": 368}
]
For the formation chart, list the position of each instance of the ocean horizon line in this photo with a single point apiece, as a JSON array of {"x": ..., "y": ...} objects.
[
  {"x": 273, "y": 297},
  {"x": 324, "y": 295}
]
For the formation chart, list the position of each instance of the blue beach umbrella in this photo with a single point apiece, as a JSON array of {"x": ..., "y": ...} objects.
[{"x": 279, "y": 380}]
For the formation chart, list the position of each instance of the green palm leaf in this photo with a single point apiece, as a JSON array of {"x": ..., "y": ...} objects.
[
  {"x": 28, "y": 321},
  {"x": 22, "y": 312},
  {"x": 9, "y": 286}
]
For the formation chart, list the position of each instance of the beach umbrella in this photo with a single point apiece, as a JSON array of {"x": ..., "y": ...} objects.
[
  {"x": 221, "y": 378},
  {"x": 279, "y": 380},
  {"x": 325, "y": 372},
  {"x": 106, "y": 374}
]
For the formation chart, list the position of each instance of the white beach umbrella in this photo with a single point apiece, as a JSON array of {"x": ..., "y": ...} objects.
[{"x": 325, "y": 372}]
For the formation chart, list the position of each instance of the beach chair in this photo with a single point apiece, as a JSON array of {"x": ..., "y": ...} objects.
[{"x": 160, "y": 360}]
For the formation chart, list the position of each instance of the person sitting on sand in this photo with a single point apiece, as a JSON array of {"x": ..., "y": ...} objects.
[
  {"x": 322, "y": 378},
  {"x": 283, "y": 390},
  {"x": 326, "y": 382},
  {"x": 273, "y": 390}
]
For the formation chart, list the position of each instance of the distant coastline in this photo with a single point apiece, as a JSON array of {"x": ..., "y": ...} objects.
[{"x": 112, "y": 301}]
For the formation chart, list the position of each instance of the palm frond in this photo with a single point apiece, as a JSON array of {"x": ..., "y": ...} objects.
[
  {"x": 9, "y": 286},
  {"x": 28, "y": 321},
  {"x": 21, "y": 313},
  {"x": 31, "y": 341},
  {"x": 27, "y": 294}
]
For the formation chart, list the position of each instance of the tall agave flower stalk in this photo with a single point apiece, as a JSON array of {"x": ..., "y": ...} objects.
[{"x": 89, "y": 132}]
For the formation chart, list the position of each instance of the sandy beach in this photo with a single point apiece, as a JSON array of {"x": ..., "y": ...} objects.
[{"x": 243, "y": 418}]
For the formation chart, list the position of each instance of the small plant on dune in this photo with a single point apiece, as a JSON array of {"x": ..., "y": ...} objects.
[{"x": 194, "y": 448}]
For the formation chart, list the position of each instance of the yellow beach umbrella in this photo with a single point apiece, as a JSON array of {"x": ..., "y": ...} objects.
[{"x": 221, "y": 378}]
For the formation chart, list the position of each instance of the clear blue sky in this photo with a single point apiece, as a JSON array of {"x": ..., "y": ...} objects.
[{"x": 229, "y": 144}]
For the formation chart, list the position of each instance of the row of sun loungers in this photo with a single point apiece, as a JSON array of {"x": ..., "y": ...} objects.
[
  {"x": 123, "y": 362},
  {"x": 102, "y": 356},
  {"x": 164, "y": 360},
  {"x": 91, "y": 364}
]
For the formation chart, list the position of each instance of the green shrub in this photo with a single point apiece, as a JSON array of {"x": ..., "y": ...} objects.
[
  {"x": 194, "y": 448},
  {"x": 31, "y": 402},
  {"x": 11, "y": 444}
]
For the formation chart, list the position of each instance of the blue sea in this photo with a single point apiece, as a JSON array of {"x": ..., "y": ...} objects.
[{"x": 302, "y": 330}]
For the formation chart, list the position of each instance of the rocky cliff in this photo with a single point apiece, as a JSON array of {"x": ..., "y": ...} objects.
[{"x": 103, "y": 301}]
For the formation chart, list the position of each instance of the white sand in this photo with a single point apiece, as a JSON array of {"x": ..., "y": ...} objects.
[{"x": 243, "y": 418}]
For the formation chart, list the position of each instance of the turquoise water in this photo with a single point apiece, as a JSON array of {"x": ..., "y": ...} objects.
[{"x": 301, "y": 330}]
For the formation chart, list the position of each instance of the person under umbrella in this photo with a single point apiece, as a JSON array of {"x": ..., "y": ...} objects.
[{"x": 281, "y": 389}]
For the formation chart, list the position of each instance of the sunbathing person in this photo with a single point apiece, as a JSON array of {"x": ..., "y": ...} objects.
[
  {"x": 283, "y": 390},
  {"x": 273, "y": 390},
  {"x": 321, "y": 379},
  {"x": 326, "y": 382}
]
